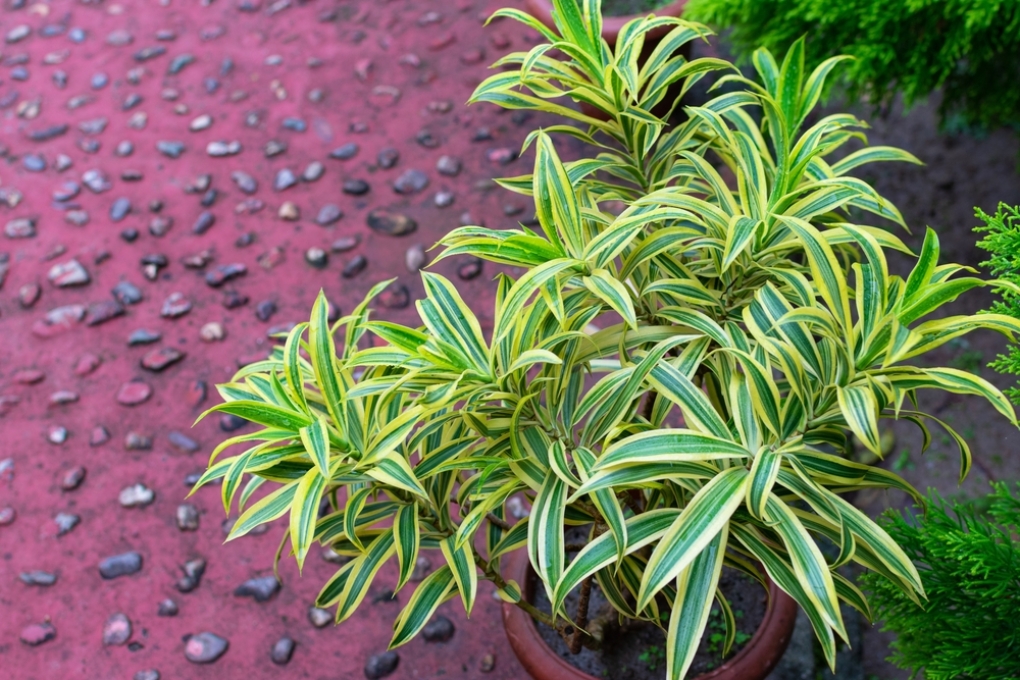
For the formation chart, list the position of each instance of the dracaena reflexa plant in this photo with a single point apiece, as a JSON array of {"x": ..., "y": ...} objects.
[{"x": 681, "y": 380}]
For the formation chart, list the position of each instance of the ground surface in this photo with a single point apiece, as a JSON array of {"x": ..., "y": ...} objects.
[{"x": 376, "y": 74}]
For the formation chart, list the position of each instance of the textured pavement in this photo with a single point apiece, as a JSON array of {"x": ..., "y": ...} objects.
[{"x": 122, "y": 128}]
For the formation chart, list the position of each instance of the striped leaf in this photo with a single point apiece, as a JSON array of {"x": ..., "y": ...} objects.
[
  {"x": 362, "y": 574},
  {"x": 434, "y": 590},
  {"x": 462, "y": 565},
  {"x": 407, "y": 541},
  {"x": 669, "y": 446},
  {"x": 695, "y": 587},
  {"x": 315, "y": 438},
  {"x": 304, "y": 512},
  {"x": 602, "y": 284},
  {"x": 701, "y": 520}
]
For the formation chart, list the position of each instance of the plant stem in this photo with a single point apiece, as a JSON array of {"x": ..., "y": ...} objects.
[
  {"x": 581, "y": 620},
  {"x": 501, "y": 523}
]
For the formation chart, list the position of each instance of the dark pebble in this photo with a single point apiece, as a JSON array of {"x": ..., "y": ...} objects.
[
  {"x": 427, "y": 139},
  {"x": 294, "y": 124},
  {"x": 261, "y": 589},
  {"x": 356, "y": 187},
  {"x": 204, "y": 222},
  {"x": 411, "y": 182},
  {"x": 143, "y": 336},
  {"x": 120, "y": 565},
  {"x": 179, "y": 63},
  {"x": 345, "y": 243},
  {"x": 381, "y": 665},
  {"x": 354, "y": 267},
  {"x": 439, "y": 629},
  {"x": 388, "y": 157},
  {"x": 265, "y": 310},
  {"x": 170, "y": 149},
  {"x": 73, "y": 478},
  {"x": 345, "y": 152},
  {"x": 223, "y": 273},
  {"x": 392, "y": 224},
  {"x": 167, "y": 608},
  {"x": 245, "y": 182},
  {"x": 148, "y": 53},
  {"x": 395, "y": 296},
  {"x": 231, "y": 423},
  {"x": 282, "y": 650},
  {"x": 328, "y": 214}
]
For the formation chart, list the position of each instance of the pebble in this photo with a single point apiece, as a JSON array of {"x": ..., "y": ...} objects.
[
  {"x": 387, "y": 158},
  {"x": 470, "y": 270},
  {"x": 427, "y": 139},
  {"x": 147, "y": 674},
  {"x": 225, "y": 272},
  {"x": 21, "y": 227},
  {"x": 96, "y": 181},
  {"x": 18, "y": 33},
  {"x": 449, "y": 166},
  {"x": 193, "y": 571},
  {"x": 120, "y": 209},
  {"x": 29, "y": 294},
  {"x": 395, "y": 296},
  {"x": 117, "y": 630},
  {"x": 86, "y": 364},
  {"x": 61, "y": 397},
  {"x": 415, "y": 258},
  {"x": 124, "y": 148},
  {"x": 182, "y": 442},
  {"x": 159, "y": 359},
  {"x": 160, "y": 225},
  {"x": 56, "y": 434},
  {"x": 444, "y": 199},
  {"x": 345, "y": 243},
  {"x": 136, "y": 496},
  {"x": 175, "y": 305},
  {"x": 38, "y": 578},
  {"x": 319, "y": 618},
  {"x": 205, "y": 647},
  {"x": 99, "y": 435},
  {"x": 200, "y": 122},
  {"x": 7, "y": 515},
  {"x": 313, "y": 171},
  {"x": 212, "y": 332},
  {"x": 345, "y": 152},
  {"x": 354, "y": 267},
  {"x": 487, "y": 664},
  {"x": 167, "y": 608},
  {"x": 282, "y": 650},
  {"x": 133, "y": 393},
  {"x": 143, "y": 336},
  {"x": 170, "y": 149},
  {"x": 265, "y": 310},
  {"x": 187, "y": 517},
  {"x": 392, "y": 224},
  {"x": 356, "y": 187},
  {"x": 38, "y": 633},
  {"x": 73, "y": 478},
  {"x": 245, "y": 182},
  {"x": 33, "y": 162},
  {"x": 65, "y": 522},
  {"x": 381, "y": 665},
  {"x": 289, "y": 211},
  {"x": 219, "y": 149},
  {"x": 317, "y": 257},
  {"x": 285, "y": 179},
  {"x": 204, "y": 222},
  {"x": 411, "y": 182},
  {"x": 261, "y": 589},
  {"x": 124, "y": 564},
  {"x": 274, "y": 148},
  {"x": 179, "y": 63},
  {"x": 328, "y": 214},
  {"x": 66, "y": 274},
  {"x": 439, "y": 629}
]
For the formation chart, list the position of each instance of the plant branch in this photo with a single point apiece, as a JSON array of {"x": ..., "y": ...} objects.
[
  {"x": 581, "y": 619},
  {"x": 501, "y": 523}
]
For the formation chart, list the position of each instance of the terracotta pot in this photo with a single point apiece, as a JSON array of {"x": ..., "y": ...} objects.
[
  {"x": 755, "y": 661},
  {"x": 542, "y": 10}
]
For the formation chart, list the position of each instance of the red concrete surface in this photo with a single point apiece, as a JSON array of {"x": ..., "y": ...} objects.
[{"x": 391, "y": 103}]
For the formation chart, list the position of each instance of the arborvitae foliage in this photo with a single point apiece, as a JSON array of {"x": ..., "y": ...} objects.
[
  {"x": 969, "y": 561},
  {"x": 969, "y": 48},
  {"x": 1002, "y": 240}
]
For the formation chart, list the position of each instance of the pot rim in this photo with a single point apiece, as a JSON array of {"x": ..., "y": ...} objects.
[
  {"x": 611, "y": 26},
  {"x": 756, "y": 660}
]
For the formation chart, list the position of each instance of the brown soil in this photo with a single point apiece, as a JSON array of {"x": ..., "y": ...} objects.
[{"x": 637, "y": 651}]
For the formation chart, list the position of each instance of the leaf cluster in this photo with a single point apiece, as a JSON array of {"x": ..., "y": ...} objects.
[
  {"x": 969, "y": 561},
  {"x": 1002, "y": 241},
  {"x": 970, "y": 49},
  {"x": 680, "y": 379}
]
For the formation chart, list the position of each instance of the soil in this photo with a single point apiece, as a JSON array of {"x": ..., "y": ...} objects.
[
  {"x": 637, "y": 650},
  {"x": 624, "y": 8}
]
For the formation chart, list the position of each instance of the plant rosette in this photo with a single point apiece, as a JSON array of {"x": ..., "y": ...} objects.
[
  {"x": 762, "y": 316},
  {"x": 611, "y": 25}
]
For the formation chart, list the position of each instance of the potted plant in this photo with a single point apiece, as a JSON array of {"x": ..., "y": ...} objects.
[{"x": 678, "y": 383}]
